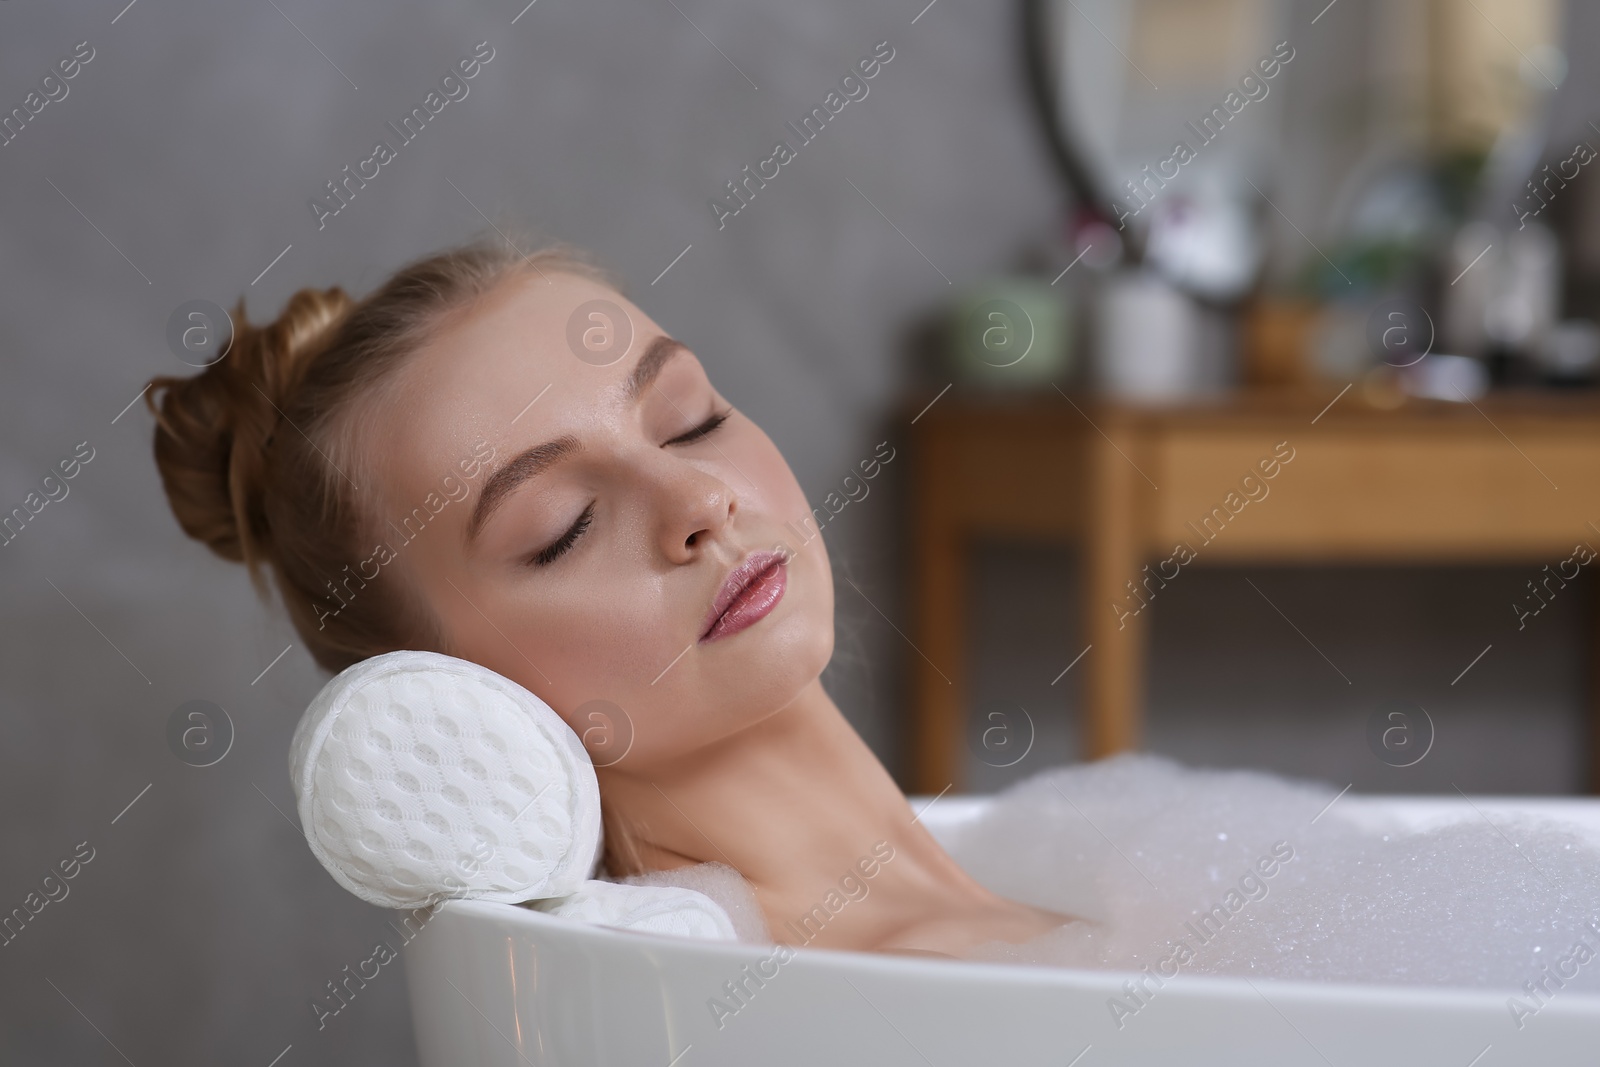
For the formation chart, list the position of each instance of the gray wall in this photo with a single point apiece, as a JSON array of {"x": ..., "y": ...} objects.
[
  {"x": 188, "y": 148},
  {"x": 193, "y": 140}
]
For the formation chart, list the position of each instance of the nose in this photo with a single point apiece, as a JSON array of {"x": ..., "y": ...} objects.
[{"x": 695, "y": 508}]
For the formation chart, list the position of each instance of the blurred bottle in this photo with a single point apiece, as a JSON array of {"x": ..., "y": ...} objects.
[
  {"x": 1570, "y": 354},
  {"x": 1503, "y": 298},
  {"x": 1146, "y": 344}
]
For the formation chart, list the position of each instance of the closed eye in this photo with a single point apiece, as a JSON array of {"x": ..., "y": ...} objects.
[
  {"x": 559, "y": 547},
  {"x": 705, "y": 429}
]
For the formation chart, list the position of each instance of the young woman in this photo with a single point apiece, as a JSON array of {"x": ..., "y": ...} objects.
[{"x": 500, "y": 458}]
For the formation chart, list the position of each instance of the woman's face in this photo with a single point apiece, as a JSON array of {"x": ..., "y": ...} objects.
[{"x": 588, "y": 557}]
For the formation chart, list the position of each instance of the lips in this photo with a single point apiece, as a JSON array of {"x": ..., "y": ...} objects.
[{"x": 750, "y": 593}]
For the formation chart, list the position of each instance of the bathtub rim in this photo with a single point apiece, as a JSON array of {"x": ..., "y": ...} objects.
[
  {"x": 945, "y": 815},
  {"x": 540, "y": 926}
]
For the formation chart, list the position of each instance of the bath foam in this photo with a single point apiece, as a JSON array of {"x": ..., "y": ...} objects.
[
  {"x": 1169, "y": 865},
  {"x": 725, "y": 886}
]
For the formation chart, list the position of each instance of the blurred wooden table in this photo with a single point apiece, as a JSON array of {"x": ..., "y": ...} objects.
[{"x": 1515, "y": 478}]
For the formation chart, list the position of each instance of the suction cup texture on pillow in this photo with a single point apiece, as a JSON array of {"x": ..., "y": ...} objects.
[
  {"x": 649, "y": 908},
  {"x": 421, "y": 777}
]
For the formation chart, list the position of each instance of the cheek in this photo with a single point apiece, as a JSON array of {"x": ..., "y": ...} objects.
[
  {"x": 607, "y": 635},
  {"x": 607, "y": 645},
  {"x": 787, "y": 516},
  {"x": 763, "y": 475}
]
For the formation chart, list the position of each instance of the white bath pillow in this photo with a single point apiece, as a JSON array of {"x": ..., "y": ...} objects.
[
  {"x": 420, "y": 777},
  {"x": 648, "y": 908}
]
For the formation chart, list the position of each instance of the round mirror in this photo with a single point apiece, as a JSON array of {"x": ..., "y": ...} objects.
[{"x": 1163, "y": 116}]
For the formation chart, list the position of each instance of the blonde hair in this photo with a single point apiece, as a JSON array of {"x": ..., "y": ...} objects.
[{"x": 247, "y": 447}]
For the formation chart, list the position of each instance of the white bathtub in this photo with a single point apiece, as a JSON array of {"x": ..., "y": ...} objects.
[{"x": 495, "y": 984}]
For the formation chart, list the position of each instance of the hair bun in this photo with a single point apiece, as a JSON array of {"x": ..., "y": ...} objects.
[{"x": 213, "y": 428}]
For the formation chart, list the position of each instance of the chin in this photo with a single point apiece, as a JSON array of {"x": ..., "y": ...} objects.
[
  {"x": 764, "y": 669},
  {"x": 799, "y": 644},
  {"x": 774, "y": 667}
]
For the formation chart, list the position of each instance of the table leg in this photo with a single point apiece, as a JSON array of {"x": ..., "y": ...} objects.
[
  {"x": 1594, "y": 693},
  {"x": 1114, "y": 618}
]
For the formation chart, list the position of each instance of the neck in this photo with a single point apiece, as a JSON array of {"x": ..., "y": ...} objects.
[{"x": 799, "y": 806}]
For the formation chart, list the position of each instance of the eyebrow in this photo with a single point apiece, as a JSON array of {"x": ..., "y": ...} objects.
[
  {"x": 539, "y": 458},
  {"x": 655, "y": 357}
]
